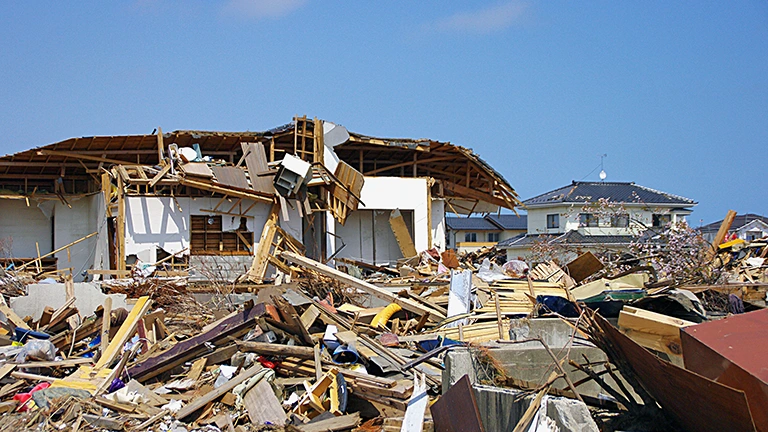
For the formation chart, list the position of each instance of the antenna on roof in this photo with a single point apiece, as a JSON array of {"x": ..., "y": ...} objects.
[{"x": 603, "y": 175}]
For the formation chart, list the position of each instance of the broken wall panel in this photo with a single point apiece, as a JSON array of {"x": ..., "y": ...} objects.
[
  {"x": 372, "y": 239},
  {"x": 22, "y": 226},
  {"x": 368, "y": 237},
  {"x": 164, "y": 222}
]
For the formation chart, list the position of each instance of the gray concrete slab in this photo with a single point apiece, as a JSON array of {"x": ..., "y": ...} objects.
[
  {"x": 501, "y": 410},
  {"x": 88, "y": 297}
]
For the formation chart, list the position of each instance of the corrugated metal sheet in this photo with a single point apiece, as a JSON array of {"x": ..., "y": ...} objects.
[{"x": 733, "y": 351}]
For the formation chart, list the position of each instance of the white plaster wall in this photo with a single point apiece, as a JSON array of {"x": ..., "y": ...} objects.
[
  {"x": 365, "y": 231},
  {"x": 72, "y": 224},
  {"x": 640, "y": 218},
  {"x": 389, "y": 193},
  {"x": 24, "y": 226},
  {"x": 153, "y": 222},
  {"x": 438, "y": 224},
  {"x": 369, "y": 226}
]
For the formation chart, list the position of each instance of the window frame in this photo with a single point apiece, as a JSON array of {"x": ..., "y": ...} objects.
[
  {"x": 553, "y": 221},
  {"x": 588, "y": 220}
]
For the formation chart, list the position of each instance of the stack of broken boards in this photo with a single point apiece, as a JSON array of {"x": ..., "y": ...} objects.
[{"x": 206, "y": 372}]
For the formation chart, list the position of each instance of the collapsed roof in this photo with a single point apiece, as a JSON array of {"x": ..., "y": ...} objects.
[{"x": 465, "y": 180}]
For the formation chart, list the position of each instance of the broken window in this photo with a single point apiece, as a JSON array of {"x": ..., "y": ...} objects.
[
  {"x": 208, "y": 238},
  {"x": 660, "y": 220},
  {"x": 620, "y": 220},
  {"x": 587, "y": 220},
  {"x": 553, "y": 221},
  {"x": 470, "y": 237},
  {"x": 493, "y": 237}
]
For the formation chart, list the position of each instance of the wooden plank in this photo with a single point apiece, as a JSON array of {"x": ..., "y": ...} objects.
[
  {"x": 721, "y": 233},
  {"x": 13, "y": 318},
  {"x": 125, "y": 332},
  {"x": 262, "y": 405},
  {"x": 120, "y": 222},
  {"x": 584, "y": 266},
  {"x": 105, "y": 324},
  {"x": 375, "y": 291},
  {"x": 159, "y": 176},
  {"x": 653, "y": 330},
  {"x": 194, "y": 347},
  {"x": 6, "y": 369},
  {"x": 197, "y": 369},
  {"x": 402, "y": 235},
  {"x": 339, "y": 423},
  {"x": 309, "y": 316},
  {"x": 256, "y": 161},
  {"x": 211, "y": 396},
  {"x": 23, "y": 266},
  {"x": 277, "y": 349}
]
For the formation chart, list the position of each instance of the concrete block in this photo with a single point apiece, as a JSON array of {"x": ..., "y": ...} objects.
[
  {"x": 88, "y": 297},
  {"x": 501, "y": 410}
]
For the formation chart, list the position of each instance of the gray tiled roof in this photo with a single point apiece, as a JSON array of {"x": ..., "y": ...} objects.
[
  {"x": 738, "y": 222},
  {"x": 580, "y": 192},
  {"x": 470, "y": 223},
  {"x": 488, "y": 222},
  {"x": 510, "y": 221},
  {"x": 571, "y": 237}
]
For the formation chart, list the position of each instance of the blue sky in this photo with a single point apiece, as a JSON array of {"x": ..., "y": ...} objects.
[{"x": 675, "y": 93}]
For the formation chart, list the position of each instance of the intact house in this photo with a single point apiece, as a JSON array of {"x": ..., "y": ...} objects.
[
  {"x": 224, "y": 204},
  {"x": 594, "y": 216},
  {"x": 468, "y": 234},
  {"x": 747, "y": 227}
]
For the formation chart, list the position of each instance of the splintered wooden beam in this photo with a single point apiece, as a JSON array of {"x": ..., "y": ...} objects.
[
  {"x": 721, "y": 233},
  {"x": 371, "y": 289},
  {"x": 125, "y": 332},
  {"x": 212, "y": 395},
  {"x": 400, "y": 230}
]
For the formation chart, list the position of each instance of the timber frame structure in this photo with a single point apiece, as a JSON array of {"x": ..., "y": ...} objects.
[{"x": 238, "y": 170}]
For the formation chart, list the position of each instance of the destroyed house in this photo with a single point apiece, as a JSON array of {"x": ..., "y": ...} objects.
[
  {"x": 226, "y": 203},
  {"x": 586, "y": 216}
]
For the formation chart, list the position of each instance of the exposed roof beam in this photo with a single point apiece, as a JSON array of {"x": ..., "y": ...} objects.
[{"x": 82, "y": 156}]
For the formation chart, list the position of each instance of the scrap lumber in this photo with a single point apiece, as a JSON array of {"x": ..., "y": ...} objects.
[
  {"x": 262, "y": 405},
  {"x": 212, "y": 395},
  {"x": 272, "y": 349},
  {"x": 14, "y": 319},
  {"x": 23, "y": 266},
  {"x": 584, "y": 266},
  {"x": 725, "y": 226},
  {"x": 340, "y": 423},
  {"x": 371, "y": 289},
  {"x": 125, "y": 332},
  {"x": 653, "y": 330},
  {"x": 194, "y": 347},
  {"x": 403, "y": 237}
]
